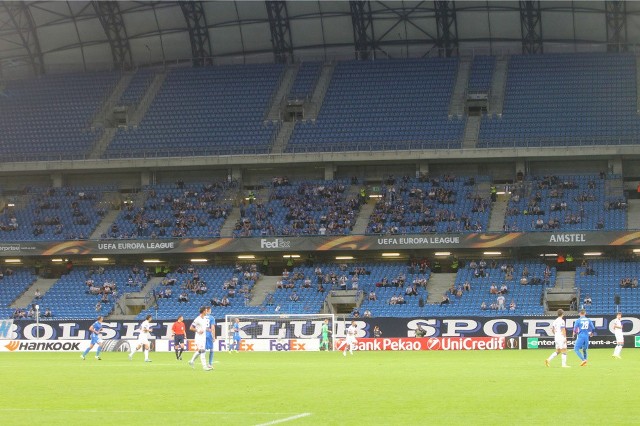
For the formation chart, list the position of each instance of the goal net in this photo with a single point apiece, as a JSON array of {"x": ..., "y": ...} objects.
[{"x": 293, "y": 332}]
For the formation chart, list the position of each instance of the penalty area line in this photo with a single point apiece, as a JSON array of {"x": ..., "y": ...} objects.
[{"x": 286, "y": 419}]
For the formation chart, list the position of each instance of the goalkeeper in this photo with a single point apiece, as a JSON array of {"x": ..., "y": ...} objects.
[{"x": 324, "y": 342}]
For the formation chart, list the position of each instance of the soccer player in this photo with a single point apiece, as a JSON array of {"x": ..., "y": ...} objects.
[
  {"x": 324, "y": 342},
  {"x": 211, "y": 335},
  {"x": 143, "y": 339},
  {"x": 617, "y": 331},
  {"x": 583, "y": 329},
  {"x": 199, "y": 325},
  {"x": 559, "y": 329},
  {"x": 350, "y": 341},
  {"x": 235, "y": 329},
  {"x": 95, "y": 330},
  {"x": 179, "y": 337}
]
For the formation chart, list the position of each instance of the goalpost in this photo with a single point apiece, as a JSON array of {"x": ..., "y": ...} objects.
[{"x": 286, "y": 332}]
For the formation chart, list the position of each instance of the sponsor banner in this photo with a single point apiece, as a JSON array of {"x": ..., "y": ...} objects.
[
  {"x": 249, "y": 345},
  {"x": 304, "y": 329},
  {"x": 321, "y": 243},
  {"x": 430, "y": 344},
  {"x": 114, "y": 345},
  {"x": 601, "y": 341}
]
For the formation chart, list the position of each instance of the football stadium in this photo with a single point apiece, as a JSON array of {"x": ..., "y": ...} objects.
[{"x": 319, "y": 212}]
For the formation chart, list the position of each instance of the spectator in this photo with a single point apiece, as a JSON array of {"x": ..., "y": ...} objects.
[
  {"x": 587, "y": 300},
  {"x": 377, "y": 332},
  {"x": 183, "y": 298},
  {"x": 512, "y": 305},
  {"x": 367, "y": 314},
  {"x": 500, "y": 300},
  {"x": 483, "y": 306},
  {"x": 47, "y": 313},
  {"x": 372, "y": 296},
  {"x": 294, "y": 297},
  {"x": 445, "y": 300},
  {"x": 37, "y": 294}
]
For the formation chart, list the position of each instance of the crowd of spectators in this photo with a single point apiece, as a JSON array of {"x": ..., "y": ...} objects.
[
  {"x": 429, "y": 204},
  {"x": 304, "y": 208},
  {"x": 177, "y": 212}
]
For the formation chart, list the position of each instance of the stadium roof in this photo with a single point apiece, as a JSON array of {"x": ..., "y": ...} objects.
[{"x": 48, "y": 36}]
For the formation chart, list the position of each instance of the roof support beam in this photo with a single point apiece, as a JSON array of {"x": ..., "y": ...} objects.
[
  {"x": 447, "y": 23},
  {"x": 113, "y": 24},
  {"x": 21, "y": 18},
  {"x": 363, "y": 36},
  {"x": 531, "y": 27},
  {"x": 616, "y": 16},
  {"x": 280, "y": 31},
  {"x": 198, "y": 32}
]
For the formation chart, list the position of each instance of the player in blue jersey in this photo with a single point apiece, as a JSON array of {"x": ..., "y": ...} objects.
[
  {"x": 583, "y": 328},
  {"x": 235, "y": 329},
  {"x": 95, "y": 329},
  {"x": 211, "y": 335}
]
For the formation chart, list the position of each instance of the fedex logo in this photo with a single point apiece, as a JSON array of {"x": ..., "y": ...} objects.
[
  {"x": 274, "y": 244},
  {"x": 288, "y": 345}
]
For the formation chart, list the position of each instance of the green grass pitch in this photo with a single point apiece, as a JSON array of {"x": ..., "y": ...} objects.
[{"x": 320, "y": 388}]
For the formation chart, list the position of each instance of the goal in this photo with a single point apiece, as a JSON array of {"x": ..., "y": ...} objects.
[{"x": 287, "y": 332}]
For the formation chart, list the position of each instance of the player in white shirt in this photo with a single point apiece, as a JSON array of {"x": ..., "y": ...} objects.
[
  {"x": 616, "y": 325},
  {"x": 199, "y": 326},
  {"x": 350, "y": 341},
  {"x": 143, "y": 339},
  {"x": 559, "y": 330}
]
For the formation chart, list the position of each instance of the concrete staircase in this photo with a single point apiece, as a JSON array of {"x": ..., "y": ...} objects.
[
  {"x": 471, "y": 131},
  {"x": 633, "y": 214},
  {"x": 565, "y": 280},
  {"x": 42, "y": 284},
  {"x": 147, "y": 98},
  {"x": 128, "y": 304},
  {"x": 105, "y": 224},
  {"x": 230, "y": 223},
  {"x": 498, "y": 210},
  {"x": 320, "y": 91},
  {"x": 282, "y": 137},
  {"x": 498, "y": 87},
  {"x": 458, "y": 98},
  {"x": 99, "y": 120},
  {"x": 101, "y": 145},
  {"x": 286, "y": 82},
  {"x": 266, "y": 285},
  {"x": 362, "y": 221},
  {"x": 438, "y": 285}
]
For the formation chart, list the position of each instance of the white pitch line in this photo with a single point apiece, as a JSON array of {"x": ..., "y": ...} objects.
[
  {"x": 94, "y": 411},
  {"x": 286, "y": 419}
]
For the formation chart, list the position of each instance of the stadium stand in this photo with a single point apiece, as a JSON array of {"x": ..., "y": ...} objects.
[
  {"x": 525, "y": 282},
  {"x": 566, "y": 99},
  {"x": 578, "y": 202},
  {"x": 13, "y": 283},
  {"x": 600, "y": 281},
  {"x": 49, "y": 118},
  {"x": 54, "y": 214},
  {"x": 226, "y": 289},
  {"x": 394, "y": 104},
  {"x": 137, "y": 87},
  {"x": 77, "y": 294},
  {"x": 481, "y": 73},
  {"x": 301, "y": 208},
  {"x": 423, "y": 205},
  {"x": 205, "y": 111},
  {"x": 305, "y": 80},
  {"x": 176, "y": 211}
]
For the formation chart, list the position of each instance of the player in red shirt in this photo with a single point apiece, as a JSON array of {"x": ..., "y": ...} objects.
[{"x": 179, "y": 337}]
